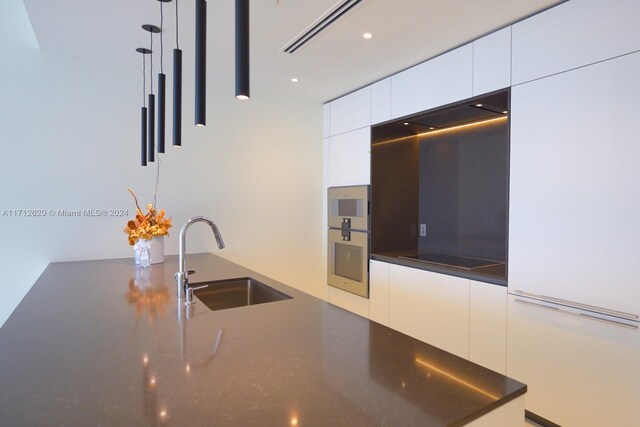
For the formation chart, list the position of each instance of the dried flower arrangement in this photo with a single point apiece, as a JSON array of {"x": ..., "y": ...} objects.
[{"x": 147, "y": 226}]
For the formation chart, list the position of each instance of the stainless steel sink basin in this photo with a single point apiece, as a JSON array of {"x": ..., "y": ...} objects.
[{"x": 240, "y": 292}]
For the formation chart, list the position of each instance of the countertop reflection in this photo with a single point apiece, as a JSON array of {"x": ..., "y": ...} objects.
[{"x": 106, "y": 343}]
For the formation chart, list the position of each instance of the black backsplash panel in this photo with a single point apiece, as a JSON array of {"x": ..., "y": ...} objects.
[
  {"x": 463, "y": 191},
  {"x": 448, "y": 169},
  {"x": 394, "y": 195}
]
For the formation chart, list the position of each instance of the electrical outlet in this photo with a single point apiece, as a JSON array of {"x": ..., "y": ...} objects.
[{"x": 423, "y": 230}]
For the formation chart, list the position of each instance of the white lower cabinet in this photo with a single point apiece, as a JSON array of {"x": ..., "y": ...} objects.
[
  {"x": 379, "y": 292},
  {"x": 579, "y": 372},
  {"x": 488, "y": 326},
  {"x": 350, "y": 302},
  {"x": 511, "y": 414},
  {"x": 431, "y": 307}
]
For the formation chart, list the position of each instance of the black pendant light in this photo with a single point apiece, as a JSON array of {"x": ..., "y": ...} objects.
[
  {"x": 143, "y": 109},
  {"x": 162, "y": 86},
  {"x": 151, "y": 113},
  {"x": 177, "y": 90},
  {"x": 242, "y": 49},
  {"x": 201, "y": 63}
]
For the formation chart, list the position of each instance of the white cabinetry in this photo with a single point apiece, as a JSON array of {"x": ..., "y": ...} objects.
[
  {"x": 431, "y": 307},
  {"x": 379, "y": 292},
  {"x": 326, "y": 120},
  {"x": 352, "y": 111},
  {"x": 573, "y": 218},
  {"x": 381, "y": 101},
  {"x": 574, "y": 34},
  {"x": 350, "y": 302},
  {"x": 439, "y": 81},
  {"x": 349, "y": 158},
  {"x": 488, "y": 326},
  {"x": 492, "y": 62},
  {"x": 579, "y": 372}
]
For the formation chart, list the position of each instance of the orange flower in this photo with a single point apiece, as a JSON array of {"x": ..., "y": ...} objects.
[{"x": 146, "y": 226}]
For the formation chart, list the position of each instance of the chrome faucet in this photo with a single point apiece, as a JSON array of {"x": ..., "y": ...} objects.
[{"x": 182, "y": 276}]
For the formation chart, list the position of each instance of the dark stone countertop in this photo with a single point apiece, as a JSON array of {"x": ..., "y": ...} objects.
[{"x": 87, "y": 347}]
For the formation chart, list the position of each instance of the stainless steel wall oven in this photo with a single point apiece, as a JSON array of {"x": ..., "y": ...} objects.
[{"x": 348, "y": 239}]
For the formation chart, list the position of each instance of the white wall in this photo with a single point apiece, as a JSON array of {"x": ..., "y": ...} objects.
[
  {"x": 70, "y": 140},
  {"x": 264, "y": 177}
]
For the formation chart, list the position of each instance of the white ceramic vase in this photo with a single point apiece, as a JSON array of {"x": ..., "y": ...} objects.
[{"x": 149, "y": 252}]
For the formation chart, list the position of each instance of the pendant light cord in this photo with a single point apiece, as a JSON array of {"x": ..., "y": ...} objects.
[
  {"x": 144, "y": 80},
  {"x": 161, "y": 43},
  {"x": 177, "y": 44},
  {"x": 155, "y": 191},
  {"x": 151, "y": 73}
]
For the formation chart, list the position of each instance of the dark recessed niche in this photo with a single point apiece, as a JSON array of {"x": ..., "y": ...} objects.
[{"x": 446, "y": 171}]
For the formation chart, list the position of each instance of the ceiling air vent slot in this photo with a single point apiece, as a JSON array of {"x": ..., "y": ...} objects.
[{"x": 326, "y": 20}]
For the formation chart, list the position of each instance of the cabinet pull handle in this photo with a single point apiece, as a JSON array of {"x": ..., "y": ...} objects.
[
  {"x": 611, "y": 322},
  {"x": 579, "y": 306},
  {"x": 588, "y": 316}
]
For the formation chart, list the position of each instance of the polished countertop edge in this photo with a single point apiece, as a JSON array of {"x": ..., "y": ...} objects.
[
  {"x": 18, "y": 316},
  {"x": 451, "y": 271},
  {"x": 495, "y": 405}
]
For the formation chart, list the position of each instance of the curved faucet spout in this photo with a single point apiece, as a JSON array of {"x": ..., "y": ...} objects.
[{"x": 182, "y": 276}]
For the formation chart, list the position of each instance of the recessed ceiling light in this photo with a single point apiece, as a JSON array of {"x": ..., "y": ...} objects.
[
  {"x": 431, "y": 128},
  {"x": 294, "y": 80},
  {"x": 478, "y": 105},
  {"x": 406, "y": 123},
  {"x": 367, "y": 35},
  {"x": 505, "y": 112}
]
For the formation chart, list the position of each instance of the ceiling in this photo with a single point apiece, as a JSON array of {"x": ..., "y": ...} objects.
[{"x": 405, "y": 32}]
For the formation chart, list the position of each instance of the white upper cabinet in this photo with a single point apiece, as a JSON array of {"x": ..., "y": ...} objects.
[
  {"x": 439, "y": 81},
  {"x": 381, "y": 101},
  {"x": 574, "y": 228},
  {"x": 488, "y": 326},
  {"x": 492, "y": 62},
  {"x": 326, "y": 120},
  {"x": 352, "y": 111},
  {"x": 431, "y": 307},
  {"x": 379, "y": 292},
  {"x": 350, "y": 158},
  {"x": 574, "y": 34}
]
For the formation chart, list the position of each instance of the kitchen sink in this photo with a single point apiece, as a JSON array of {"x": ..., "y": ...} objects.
[{"x": 239, "y": 292}]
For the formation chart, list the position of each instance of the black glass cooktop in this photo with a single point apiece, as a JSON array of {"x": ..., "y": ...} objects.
[{"x": 453, "y": 260}]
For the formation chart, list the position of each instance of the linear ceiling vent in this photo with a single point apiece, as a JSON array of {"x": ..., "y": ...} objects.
[{"x": 329, "y": 18}]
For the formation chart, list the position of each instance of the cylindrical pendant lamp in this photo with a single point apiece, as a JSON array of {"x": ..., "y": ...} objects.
[
  {"x": 151, "y": 128},
  {"x": 177, "y": 90},
  {"x": 162, "y": 85},
  {"x": 177, "y": 97},
  {"x": 161, "y": 110},
  {"x": 143, "y": 137},
  {"x": 151, "y": 110},
  {"x": 201, "y": 63},
  {"x": 143, "y": 111},
  {"x": 242, "y": 49}
]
